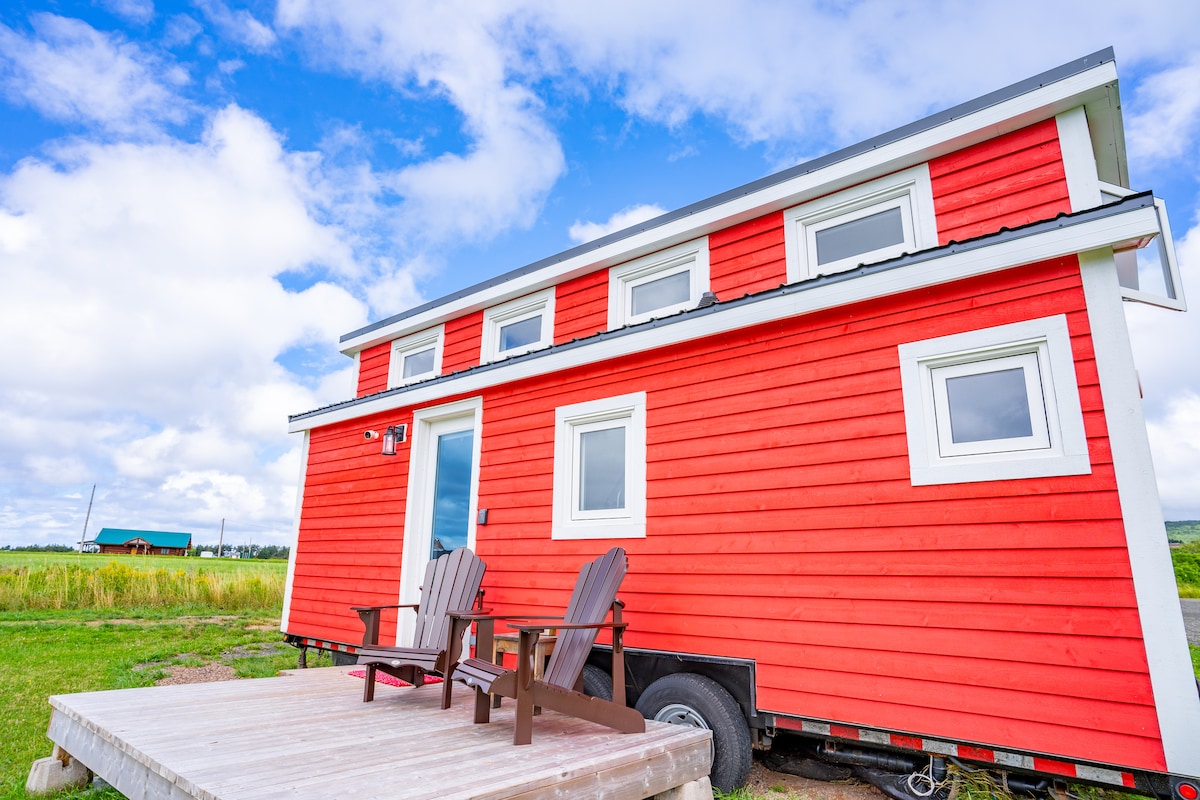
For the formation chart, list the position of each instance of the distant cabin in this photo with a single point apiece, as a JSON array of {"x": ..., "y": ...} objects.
[{"x": 156, "y": 543}]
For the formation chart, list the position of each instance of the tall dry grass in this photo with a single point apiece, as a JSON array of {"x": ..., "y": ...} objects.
[{"x": 117, "y": 585}]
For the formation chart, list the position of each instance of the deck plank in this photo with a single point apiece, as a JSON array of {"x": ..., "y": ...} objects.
[{"x": 307, "y": 734}]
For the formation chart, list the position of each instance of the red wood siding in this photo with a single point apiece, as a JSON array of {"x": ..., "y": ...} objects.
[
  {"x": 463, "y": 343},
  {"x": 747, "y": 258},
  {"x": 1005, "y": 182},
  {"x": 351, "y": 531},
  {"x": 373, "y": 365},
  {"x": 782, "y": 527},
  {"x": 581, "y": 306}
]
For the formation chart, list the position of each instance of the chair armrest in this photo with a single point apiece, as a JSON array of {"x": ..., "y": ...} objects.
[{"x": 567, "y": 626}]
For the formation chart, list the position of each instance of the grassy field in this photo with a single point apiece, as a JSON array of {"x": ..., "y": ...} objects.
[{"x": 72, "y": 623}]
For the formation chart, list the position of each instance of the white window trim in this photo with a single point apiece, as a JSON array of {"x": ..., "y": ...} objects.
[
  {"x": 1127, "y": 269},
  {"x": 627, "y": 523},
  {"x": 622, "y": 279},
  {"x": 432, "y": 337},
  {"x": 495, "y": 318},
  {"x": 1049, "y": 341},
  {"x": 910, "y": 190}
]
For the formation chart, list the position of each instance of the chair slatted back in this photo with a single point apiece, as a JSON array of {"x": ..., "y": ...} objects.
[
  {"x": 452, "y": 583},
  {"x": 595, "y": 590}
]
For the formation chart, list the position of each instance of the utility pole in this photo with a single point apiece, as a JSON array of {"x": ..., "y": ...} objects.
[
  {"x": 221, "y": 541},
  {"x": 83, "y": 536}
]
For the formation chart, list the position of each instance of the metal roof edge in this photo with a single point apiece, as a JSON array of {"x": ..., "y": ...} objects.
[
  {"x": 993, "y": 98},
  {"x": 1132, "y": 202}
]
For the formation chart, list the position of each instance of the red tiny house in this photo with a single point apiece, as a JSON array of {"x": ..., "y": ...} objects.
[{"x": 871, "y": 554}]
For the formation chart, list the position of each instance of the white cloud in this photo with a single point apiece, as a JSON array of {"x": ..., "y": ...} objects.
[
  {"x": 73, "y": 73},
  {"x": 240, "y": 25},
  {"x": 582, "y": 232},
  {"x": 463, "y": 52},
  {"x": 1175, "y": 440},
  {"x": 137, "y": 11},
  {"x": 140, "y": 281},
  {"x": 1167, "y": 123}
]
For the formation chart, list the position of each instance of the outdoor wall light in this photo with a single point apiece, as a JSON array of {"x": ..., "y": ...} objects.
[{"x": 393, "y": 436}]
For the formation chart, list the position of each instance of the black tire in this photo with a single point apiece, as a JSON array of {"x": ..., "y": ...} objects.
[
  {"x": 689, "y": 699},
  {"x": 597, "y": 682}
]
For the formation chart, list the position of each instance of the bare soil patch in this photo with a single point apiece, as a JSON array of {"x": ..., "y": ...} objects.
[{"x": 207, "y": 673}]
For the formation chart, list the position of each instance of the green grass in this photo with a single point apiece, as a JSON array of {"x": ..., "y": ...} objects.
[
  {"x": 62, "y": 650},
  {"x": 32, "y": 583}
]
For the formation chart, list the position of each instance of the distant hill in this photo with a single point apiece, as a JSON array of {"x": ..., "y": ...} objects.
[{"x": 1183, "y": 530}]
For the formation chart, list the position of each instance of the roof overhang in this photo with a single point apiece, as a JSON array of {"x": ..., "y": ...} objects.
[
  {"x": 1090, "y": 82},
  {"x": 1132, "y": 220}
]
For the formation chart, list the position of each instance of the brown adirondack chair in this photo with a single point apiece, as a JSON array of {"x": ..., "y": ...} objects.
[
  {"x": 451, "y": 584},
  {"x": 560, "y": 687}
]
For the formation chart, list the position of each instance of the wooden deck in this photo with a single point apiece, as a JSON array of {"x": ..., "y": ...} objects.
[{"x": 307, "y": 734}]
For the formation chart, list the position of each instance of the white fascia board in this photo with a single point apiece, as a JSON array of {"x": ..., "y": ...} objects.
[
  {"x": 987, "y": 123},
  {"x": 1163, "y": 633},
  {"x": 954, "y": 265}
]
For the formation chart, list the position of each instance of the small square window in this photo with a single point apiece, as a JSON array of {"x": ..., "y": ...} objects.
[
  {"x": 993, "y": 404},
  {"x": 518, "y": 327},
  {"x": 600, "y": 469},
  {"x": 658, "y": 285},
  {"x": 416, "y": 358},
  {"x": 990, "y": 406},
  {"x": 863, "y": 225}
]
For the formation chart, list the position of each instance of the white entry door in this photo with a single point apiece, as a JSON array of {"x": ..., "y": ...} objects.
[{"x": 443, "y": 480}]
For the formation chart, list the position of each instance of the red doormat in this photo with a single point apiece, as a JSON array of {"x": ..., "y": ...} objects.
[{"x": 383, "y": 677}]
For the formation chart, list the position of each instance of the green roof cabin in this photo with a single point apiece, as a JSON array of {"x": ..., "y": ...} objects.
[{"x": 158, "y": 543}]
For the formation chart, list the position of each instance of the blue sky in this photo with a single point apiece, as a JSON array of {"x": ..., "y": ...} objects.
[{"x": 197, "y": 199}]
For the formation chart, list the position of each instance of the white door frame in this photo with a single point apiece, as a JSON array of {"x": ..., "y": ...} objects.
[{"x": 418, "y": 517}]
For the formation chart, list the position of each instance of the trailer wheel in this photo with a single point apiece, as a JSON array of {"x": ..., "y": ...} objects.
[
  {"x": 685, "y": 698},
  {"x": 597, "y": 682}
]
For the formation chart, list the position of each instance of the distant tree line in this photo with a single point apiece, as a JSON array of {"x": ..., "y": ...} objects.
[
  {"x": 243, "y": 551},
  {"x": 41, "y": 548},
  {"x": 1182, "y": 531}
]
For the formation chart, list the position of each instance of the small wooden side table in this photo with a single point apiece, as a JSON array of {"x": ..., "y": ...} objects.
[{"x": 510, "y": 643}]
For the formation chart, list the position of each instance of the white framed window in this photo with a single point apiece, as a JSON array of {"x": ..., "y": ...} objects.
[
  {"x": 416, "y": 358},
  {"x": 993, "y": 404},
  {"x": 658, "y": 285},
  {"x": 862, "y": 225},
  {"x": 518, "y": 326},
  {"x": 600, "y": 469}
]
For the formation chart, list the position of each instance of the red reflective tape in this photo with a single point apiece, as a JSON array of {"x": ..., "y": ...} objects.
[
  {"x": 843, "y": 731},
  {"x": 1127, "y": 779},
  {"x": 911, "y": 742},
  {"x": 1056, "y": 767},
  {"x": 976, "y": 753},
  {"x": 789, "y": 723}
]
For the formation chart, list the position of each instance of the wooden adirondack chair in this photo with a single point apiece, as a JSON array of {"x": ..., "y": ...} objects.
[
  {"x": 451, "y": 584},
  {"x": 560, "y": 687}
]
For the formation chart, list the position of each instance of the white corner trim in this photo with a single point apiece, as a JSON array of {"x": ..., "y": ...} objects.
[
  {"x": 291, "y": 568},
  {"x": 1171, "y": 677},
  {"x": 1079, "y": 160},
  {"x": 1067, "y": 240},
  {"x": 627, "y": 523}
]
